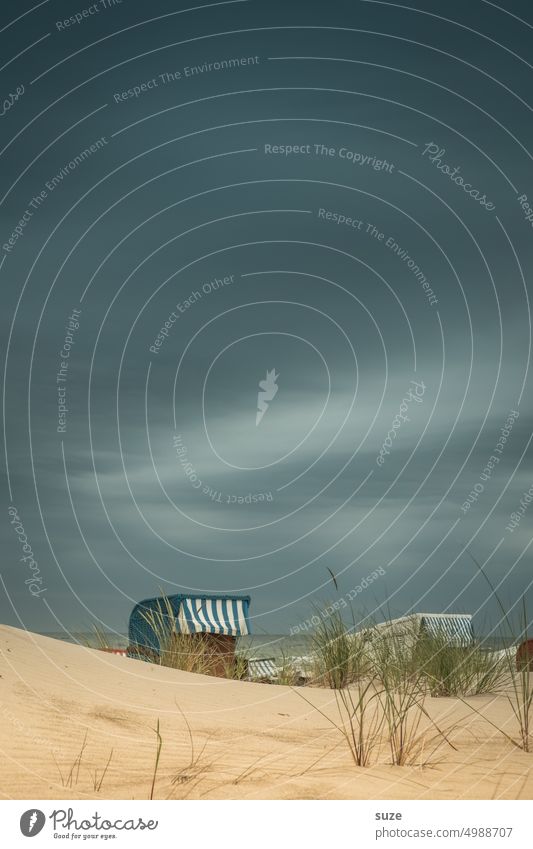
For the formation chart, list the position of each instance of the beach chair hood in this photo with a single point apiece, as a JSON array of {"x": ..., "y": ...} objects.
[{"x": 189, "y": 614}]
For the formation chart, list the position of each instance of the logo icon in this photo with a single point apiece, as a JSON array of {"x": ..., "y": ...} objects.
[
  {"x": 267, "y": 394},
  {"x": 32, "y": 822}
]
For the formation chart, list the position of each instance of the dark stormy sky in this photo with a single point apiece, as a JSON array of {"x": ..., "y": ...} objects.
[{"x": 339, "y": 193}]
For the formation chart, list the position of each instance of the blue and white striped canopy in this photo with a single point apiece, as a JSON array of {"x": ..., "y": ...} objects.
[
  {"x": 213, "y": 616},
  {"x": 456, "y": 627}
]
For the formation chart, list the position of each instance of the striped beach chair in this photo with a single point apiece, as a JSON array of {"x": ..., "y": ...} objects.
[
  {"x": 218, "y": 620},
  {"x": 262, "y": 668}
]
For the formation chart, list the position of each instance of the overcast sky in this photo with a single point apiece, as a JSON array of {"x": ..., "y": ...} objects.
[{"x": 390, "y": 299}]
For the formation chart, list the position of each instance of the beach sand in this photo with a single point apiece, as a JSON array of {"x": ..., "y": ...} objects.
[{"x": 248, "y": 740}]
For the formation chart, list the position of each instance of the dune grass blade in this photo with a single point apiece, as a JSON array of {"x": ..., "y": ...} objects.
[
  {"x": 521, "y": 698},
  {"x": 101, "y": 638},
  {"x": 75, "y": 767},
  {"x": 287, "y": 674},
  {"x": 236, "y": 667},
  {"x": 340, "y": 656},
  {"x": 403, "y": 689},
  {"x": 77, "y": 763},
  {"x": 157, "y": 756},
  {"x": 99, "y": 780},
  {"x": 359, "y": 721},
  {"x": 458, "y": 670},
  {"x": 194, "y": 768}
]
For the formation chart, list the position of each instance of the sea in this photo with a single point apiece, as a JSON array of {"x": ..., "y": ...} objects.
[
  {"x": 279, "y": 647},
  {"x": 276, "y": 646}
]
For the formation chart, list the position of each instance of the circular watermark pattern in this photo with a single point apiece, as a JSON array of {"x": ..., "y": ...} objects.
[{"x": 267, "y": 321}]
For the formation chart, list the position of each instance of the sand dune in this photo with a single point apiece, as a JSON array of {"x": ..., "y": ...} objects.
[{"x": 246, "y": 740}]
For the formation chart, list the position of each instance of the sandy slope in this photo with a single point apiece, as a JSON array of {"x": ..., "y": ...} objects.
[{"x": 258, "y": 741}]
